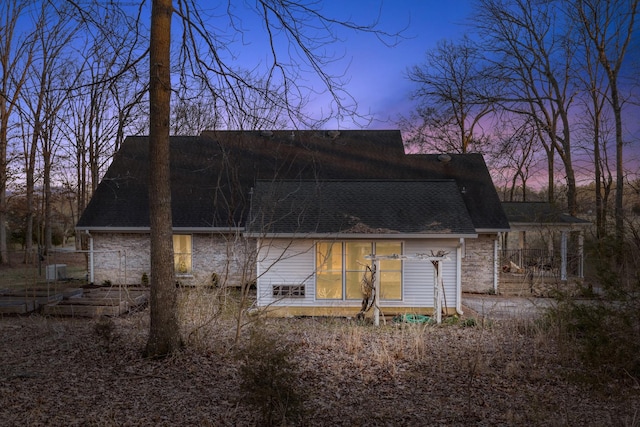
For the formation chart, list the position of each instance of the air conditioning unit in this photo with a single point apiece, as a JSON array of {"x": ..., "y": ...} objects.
[{"x": 57, "y": 272}]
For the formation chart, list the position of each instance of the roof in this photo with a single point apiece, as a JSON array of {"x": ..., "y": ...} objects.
[
  {"x": 212, "y": 175},
  {"x": 359, "y": 207},
  {"x": 539, "y": 213}
]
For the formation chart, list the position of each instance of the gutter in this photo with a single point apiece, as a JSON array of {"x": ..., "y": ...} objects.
[
  {"x": 196, "y": 230},
  {"x": 495, "y": 264},
  {"x": 359, "y": 236},
  {"x": 459, "y": 254},
  {"x": 91, "y": 267}
]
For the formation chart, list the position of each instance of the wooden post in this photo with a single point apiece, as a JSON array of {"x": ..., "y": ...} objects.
[
  {"x": 376, "y": 285},
  {"x": 581, "y": 254},
  {"x": 436, "y": 260},
  {"x": 563, "y": 256},
  {"x": 437, "y": 297}
]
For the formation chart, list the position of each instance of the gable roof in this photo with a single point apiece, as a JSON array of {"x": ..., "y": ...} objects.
[
  {"x": 359, "y": 207},
  {"x": 212, "y": 175}
]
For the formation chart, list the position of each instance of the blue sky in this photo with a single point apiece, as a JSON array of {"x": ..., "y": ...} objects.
[
  {"x": 375, "y": 73},
  {"x": 378, "y": 73}
]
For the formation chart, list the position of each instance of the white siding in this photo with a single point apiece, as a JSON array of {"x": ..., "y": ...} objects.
[
  {"x": 419, "y": 275},
  {"x": 293, "y": 262},
  {"x": 285, "y": 262}
]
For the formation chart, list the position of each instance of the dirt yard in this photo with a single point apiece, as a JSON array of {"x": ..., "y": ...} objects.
[{"x": 79, "y": 372}]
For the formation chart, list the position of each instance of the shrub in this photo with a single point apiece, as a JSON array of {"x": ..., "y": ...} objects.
[
  {"x": 269, "y": 377},
  {"x": 603, "y": 331},
  {"x": 215, "y": 280}
]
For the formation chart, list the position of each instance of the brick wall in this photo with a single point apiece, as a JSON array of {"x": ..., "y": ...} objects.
[
  {"x": 122, "y": 258},
  {"x": 478, "y": 264}
]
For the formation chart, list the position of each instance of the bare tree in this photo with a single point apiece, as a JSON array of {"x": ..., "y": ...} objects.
[
  {"x": 592, "y": 125},
  {"x": 164, "y": 332},
  {"x": 515, "y": 153},
  {"x": 105, "y": 92},
  {"x": 15, "y": 58},
  {"x": 42, "y": 98},
  {"x": 201, "y": 54},
  {"x": 609, "y": 26},
  {"x": 452, "y": 100},
  {"x": 533, "y": 67}
]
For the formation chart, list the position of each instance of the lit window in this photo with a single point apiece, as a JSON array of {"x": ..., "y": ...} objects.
[
  {"x": 329, "y": 268},
  {"x": 182, "y": 253},
  {"x": 340, "y": 267}
]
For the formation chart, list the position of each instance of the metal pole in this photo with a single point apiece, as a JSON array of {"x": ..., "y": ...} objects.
[{"x": 376, "y": 285}]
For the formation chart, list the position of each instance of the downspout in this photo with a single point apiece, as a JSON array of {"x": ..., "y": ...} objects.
[
  {"x": 459, "y": 311},
  {"x": 495, "y": 264},
  {"x": 90, "y": 256}
]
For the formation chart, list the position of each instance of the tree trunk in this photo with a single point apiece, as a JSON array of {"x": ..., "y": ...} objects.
[
  {"x": 619, "y": 210},
  {"x": 164, "y": 333},
  {"x": 4, "y": 250},
  {"x": 30, "y": 190}
]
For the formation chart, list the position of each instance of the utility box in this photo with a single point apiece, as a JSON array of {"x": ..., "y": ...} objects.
[{"x": 57, "y": 272}]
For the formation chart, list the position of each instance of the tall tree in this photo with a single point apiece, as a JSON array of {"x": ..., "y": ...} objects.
[
  {"x": 533, "y": 66},
  {"x": 592, "y": 124},
  {"x": 609, "y": 26},
  {"x": 451, "y": 88},
  {"x": 42, "y": 99},
  {"x": 515, "y": 154},
  {"x": 15, "y": 57},
  {"x": 164, "y": 333},
  {"x": 295, "y": 30}
]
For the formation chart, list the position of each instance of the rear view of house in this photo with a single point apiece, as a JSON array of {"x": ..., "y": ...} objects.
[{"x": 302, "y": 213}]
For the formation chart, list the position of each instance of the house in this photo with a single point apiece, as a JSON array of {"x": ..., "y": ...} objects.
[
  {"x": 301, "y": 213},
  {"x": 545, "y": 246}
]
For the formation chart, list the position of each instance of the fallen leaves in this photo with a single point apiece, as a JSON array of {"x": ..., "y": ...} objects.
[{"x": 60, "y": 371}]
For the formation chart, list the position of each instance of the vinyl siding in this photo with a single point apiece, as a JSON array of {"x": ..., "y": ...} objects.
[{"x": 285, "y": 262}]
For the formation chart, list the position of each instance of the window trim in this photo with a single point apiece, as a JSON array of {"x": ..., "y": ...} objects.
[
  {"x": 344, "y": 272},
  {"x": 189, "y": 270}
]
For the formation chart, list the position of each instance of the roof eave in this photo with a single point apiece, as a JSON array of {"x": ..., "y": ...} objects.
[
  {"x": 567, "y": 225},
  {"x": 492, "y": 230},
  {"x": 363, "y": 235},
  {"x": 194, "y": 230}
]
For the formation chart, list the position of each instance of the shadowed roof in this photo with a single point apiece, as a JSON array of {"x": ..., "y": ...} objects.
[
  {"x": 538, "y": 213},
  {"x": 212, "y": 175},
  {"x": 362, "y": 207}
]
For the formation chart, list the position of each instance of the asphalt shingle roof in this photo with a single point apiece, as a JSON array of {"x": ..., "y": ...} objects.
[
  {"x": 362, "y": 207},
  {"x": 538, "y": 213},
  {"x": 212, "y": 175}
]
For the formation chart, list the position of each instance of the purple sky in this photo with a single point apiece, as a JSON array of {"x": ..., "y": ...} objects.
[
  {"x": 375, "y": 72},
  {"x": 378, "y": 73}
]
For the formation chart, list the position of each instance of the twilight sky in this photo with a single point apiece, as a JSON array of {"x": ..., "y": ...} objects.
[{"x": 378, "y": 72}]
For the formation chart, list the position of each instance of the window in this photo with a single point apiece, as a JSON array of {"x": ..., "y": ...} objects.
[
  {"x": 341, "y": 265},
  {"x": 288, "y": 291},
  {"x": 329, "y": 270},
  {"x": 182, "y": 253}
]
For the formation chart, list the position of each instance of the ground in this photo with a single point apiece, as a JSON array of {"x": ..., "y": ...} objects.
[
  {"x": 496, "y": 365},
  {"x": 64, "y": 371}
]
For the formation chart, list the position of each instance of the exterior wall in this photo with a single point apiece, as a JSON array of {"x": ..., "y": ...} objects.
[
  {"x": 286, "y": 262},
  {"x": 478, "y": 265},
  {"x": 123, "y": 258},
  {"x": 120, "y": 258}
]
